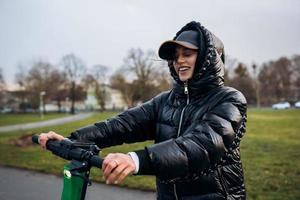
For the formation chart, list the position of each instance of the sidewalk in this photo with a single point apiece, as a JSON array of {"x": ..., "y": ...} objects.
[
  {"x": 20, "y": 184},
  {"x": 45, "y": 123}
]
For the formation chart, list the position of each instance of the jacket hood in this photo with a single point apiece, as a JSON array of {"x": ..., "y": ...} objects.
[{"x": 209, "y": 67}]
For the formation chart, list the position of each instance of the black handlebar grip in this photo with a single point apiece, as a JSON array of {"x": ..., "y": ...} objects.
[
  {"x": 35, "y": 139},
  {"x": 60, "y": 150},
  {"x": 96, "y": 161}
]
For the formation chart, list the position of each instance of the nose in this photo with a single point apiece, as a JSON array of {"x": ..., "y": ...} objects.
[{"x": 180, "y": 59}]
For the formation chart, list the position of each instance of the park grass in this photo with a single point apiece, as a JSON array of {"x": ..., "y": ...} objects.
[
  {"x": 270, "y": 154},
  {"x": 11, "y": 119}
]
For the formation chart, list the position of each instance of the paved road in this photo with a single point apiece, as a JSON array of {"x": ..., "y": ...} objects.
[
  {"x": 45, "y": 123},
  {"x": 18, "y": 184}
]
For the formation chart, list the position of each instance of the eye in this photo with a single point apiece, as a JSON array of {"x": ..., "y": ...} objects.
[{"x": 188, "y": 53}]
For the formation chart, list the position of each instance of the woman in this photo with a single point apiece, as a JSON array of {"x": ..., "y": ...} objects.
[{"x": 196, "y": 126}]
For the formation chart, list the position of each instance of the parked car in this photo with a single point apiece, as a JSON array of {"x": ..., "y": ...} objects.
[
  {"x": 281, "y": 105},
  {"x": 6, "y": 110},
  {"x": 297, "y": 104}
]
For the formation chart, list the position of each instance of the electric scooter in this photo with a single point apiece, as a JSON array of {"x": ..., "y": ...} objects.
[{"x": 83, "y": 156}]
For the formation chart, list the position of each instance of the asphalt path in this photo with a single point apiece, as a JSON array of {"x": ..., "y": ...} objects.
[
  {"x": 17, "y": 184},
  {"x": 45, "y": 123}
]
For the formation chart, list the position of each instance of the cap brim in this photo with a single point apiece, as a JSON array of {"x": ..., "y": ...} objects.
[{"x": 166, "y": 49}]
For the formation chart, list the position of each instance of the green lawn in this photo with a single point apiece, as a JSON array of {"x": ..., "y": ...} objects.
[
  {"x": 11, "y": 119},
  {"x": 270, "y": 154}
]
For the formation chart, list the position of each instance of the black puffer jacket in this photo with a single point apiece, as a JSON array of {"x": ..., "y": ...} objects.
[{"x": 197, "y": 129}]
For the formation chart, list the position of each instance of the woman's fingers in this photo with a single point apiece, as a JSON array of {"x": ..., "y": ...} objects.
[
  {"x": 112, "y": 177},
  {"x": 116, "y": 167},
  {"x": 54, "y": 136},
  {"x": 43, "y": 140},
  {"x": 44, "y": 137},
  {"x": 108, "y": 168},
  {"x": 106, "y": 162},
  {"x": 123, "y": 175}
]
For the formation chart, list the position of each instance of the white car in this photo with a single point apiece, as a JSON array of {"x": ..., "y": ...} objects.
[
  {"x": 297, "y": 104},
  {"x": 281, "y": 105}
]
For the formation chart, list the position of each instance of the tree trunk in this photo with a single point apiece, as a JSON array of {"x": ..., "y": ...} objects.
[
  {"x": 257, "y": 94},
  {"x": 73, "y": 98},
  {"x": 59, "y": 106}
]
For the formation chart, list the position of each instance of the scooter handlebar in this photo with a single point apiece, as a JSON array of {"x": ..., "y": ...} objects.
[
  {"x": 96, "y": 161},
  {"x": 66, "y": 150},
  {"x": 35, "y": 139}
]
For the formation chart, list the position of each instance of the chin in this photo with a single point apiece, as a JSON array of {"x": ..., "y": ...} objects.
[{"x": 183, "y": 79}]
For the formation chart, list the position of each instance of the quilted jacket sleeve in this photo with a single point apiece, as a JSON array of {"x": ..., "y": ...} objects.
[
  {"x": 134, "y": 125},
  {"x": 204, "y": 144}
]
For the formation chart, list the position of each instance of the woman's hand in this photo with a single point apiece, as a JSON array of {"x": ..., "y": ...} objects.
[
  {"x": 44, "y": 137},
  {"x": 116, "y": 166}
]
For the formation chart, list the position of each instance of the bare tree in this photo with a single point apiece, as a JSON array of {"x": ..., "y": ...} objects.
[
  {"x": 275, "y": 78},
  {"x": 119, "y": 82},
  {"x": 100, "y": 72},
  {"x": 42, "y": 76},
  {"x": 144, "y": 78},
  {"x": 101, "y": 95},
  {"x": 284, "y": 74},
  {"x": 243, "y": 82},
  {"x": 256, "y": 85},
  {"x": 140, "y": 63},
  {"x": 20, "y": 76},
  {"x": 75, "y": 70},
  {"x": 2, "y": 89},
  {"x": 23, "y": 94},
  {"x": 241, "y": 70},
  {"x": 162, "y": 79},
  {"x": 88, "y": 81},
  {"x": 267, "y": 82},
  {"x": 97, "y": 80},
  {"x": 295, "y": 61},
  {"x": 2, "y": 82},
  {"x": 60, "y": 93}
]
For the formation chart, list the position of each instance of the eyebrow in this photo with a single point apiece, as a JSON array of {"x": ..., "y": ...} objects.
[{"x": 185, "y": 50}]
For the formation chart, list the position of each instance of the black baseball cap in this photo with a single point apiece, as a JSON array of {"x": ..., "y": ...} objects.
[{"x": 189, "y": 39}]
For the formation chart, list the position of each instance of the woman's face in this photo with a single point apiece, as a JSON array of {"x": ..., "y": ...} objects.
[{"x": 184, "y": 62}]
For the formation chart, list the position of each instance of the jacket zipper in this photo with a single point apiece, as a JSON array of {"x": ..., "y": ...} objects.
[{"x": 186, "y": 92}]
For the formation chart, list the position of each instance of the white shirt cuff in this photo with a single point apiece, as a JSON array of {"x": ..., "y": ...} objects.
[{"x": 136, "y": 161}]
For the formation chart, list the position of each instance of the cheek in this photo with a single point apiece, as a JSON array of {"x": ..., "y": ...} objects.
[
  {"x": 175, "y": 68},
  {"x": 193, "y": 63},
  {"x": 194, "y": 60},
  {"x": 193, "y": 69}
]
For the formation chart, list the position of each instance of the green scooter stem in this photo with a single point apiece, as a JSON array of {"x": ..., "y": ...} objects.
[
  {"x": 75, "y": 183},
  {"x": 83, "y": 156}
]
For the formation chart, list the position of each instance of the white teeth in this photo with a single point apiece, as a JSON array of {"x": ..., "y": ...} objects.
[{"x": 183, "y": 68}]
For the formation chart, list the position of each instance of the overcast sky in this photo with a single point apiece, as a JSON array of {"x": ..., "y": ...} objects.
[{"x": 102, "y": 32}]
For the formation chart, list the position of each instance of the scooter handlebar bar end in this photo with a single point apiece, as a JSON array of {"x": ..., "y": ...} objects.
[{"x": 35, "y": 139}]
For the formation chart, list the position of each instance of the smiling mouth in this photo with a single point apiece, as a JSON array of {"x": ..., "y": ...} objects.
[{"x": 183, "y": 69}]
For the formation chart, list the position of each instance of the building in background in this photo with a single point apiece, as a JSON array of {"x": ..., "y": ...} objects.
[
  {"x": 113, "y": 100},
  {"x": 16, "y": 100}
]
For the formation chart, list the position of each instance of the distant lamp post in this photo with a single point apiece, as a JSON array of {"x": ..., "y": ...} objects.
[
  {"x": 67, "y": 104},
  {"x": 42, "y": 94}
]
